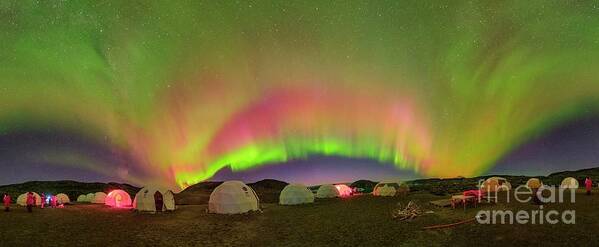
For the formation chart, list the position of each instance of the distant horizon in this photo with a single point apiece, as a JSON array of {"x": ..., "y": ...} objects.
[{"x": 337, "y": 182}]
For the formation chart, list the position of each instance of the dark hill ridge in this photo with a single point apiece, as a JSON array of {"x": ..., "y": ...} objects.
[
  {"x": 455, "y": 185},
  {"x": 72, "y": 188},
  {"x": 270, "y": 184},
  {"x": 578, "y": 173},
  {"x": 268, "y": 190},
  {"x": 196, "y": 194},
  {"x": 366, "y": 186}
]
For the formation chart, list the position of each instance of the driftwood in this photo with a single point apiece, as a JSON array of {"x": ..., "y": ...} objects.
[{"x": 411, "y": 211}]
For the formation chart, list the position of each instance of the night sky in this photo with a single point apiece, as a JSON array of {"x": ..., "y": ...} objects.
[{"x": 324, "y": 91}]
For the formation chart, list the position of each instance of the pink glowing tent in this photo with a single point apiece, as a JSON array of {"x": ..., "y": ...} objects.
[
  {"x": 344, "y": 190},
  {"x": 118, "y": 199}
]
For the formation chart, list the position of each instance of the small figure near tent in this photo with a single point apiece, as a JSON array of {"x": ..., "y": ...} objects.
[
  {"x": 588, "y": 183},
  {"x": 43, "y": 197},
  {"x": 30, "y": 201},
  {"x": 534, "y": 184},
  {"x": 53, "y": 201},
  {"x": 6, "y": 201}
]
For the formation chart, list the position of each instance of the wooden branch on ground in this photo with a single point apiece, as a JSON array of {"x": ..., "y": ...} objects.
[{"x": 411, "y": 211}]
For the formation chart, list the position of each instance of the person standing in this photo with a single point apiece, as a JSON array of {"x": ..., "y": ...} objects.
[
  {"x": 43, "y": 202},
  {"x": 30, "y": 202},
  {"x": 53, "y": 201},
  {"x": 6, "y": 201},
  {"x": 588, "y": 183}
]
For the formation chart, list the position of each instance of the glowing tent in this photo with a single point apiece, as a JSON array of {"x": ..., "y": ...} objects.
[
  {"x": 327, "y": 191},
  {"x": 534, "y": 183},
  {"x": 118, "y": 199},
  {"x": 154, "y": 198},
  {"x": 62, "y": 198},
  {"x": 493, "y": 184},
  {"x": 99, "y": 198},
  {"x": 232, "y": 197},
  {"x": 90, "y": 197},
  {"x": 294, "y": 194},
  {"x": 344, "y": 190},
  {"x": 82, "y": 198},
  {"x": 386, "y": 188},
  {"x": 22, "y": 199},
  {"x": 569, "y": 183}
]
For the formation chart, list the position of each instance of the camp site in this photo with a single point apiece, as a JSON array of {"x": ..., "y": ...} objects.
[{"x": 299, "y": 123}]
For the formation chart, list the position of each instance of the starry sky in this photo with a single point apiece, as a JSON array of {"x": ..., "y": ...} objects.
[{"x": 308, "y": 91}]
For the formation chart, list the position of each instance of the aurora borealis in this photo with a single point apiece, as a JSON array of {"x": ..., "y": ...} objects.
[{"x": 175, "y": 91}]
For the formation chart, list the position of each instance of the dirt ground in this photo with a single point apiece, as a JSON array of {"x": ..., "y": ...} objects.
[{"x": 357, "y": 221}]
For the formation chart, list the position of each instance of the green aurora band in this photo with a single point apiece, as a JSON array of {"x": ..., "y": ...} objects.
[{"x": 189, "y": 87}]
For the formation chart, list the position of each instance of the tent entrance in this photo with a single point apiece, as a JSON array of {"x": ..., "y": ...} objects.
[
  {"x": 158, "y": 201},
  {"x": 117, "y": 200}
]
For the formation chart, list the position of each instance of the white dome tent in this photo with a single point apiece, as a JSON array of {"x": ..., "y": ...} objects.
[
  {"x": 63, "y": 199},
  {"x": 569, "y": 183},
  {"x": 534, "y": 183},
  {"x": 153, "y": 199},
  {"x": 327, "y": 191},
  {"x": 90, "y": 197},
  {"x": 494, "y": 184},
  {"x": 82, "y": 198},
  {"x": 386, "y": 188},
  {"x": 294, "y": 194},
  {"x": 22, "y": 199},
  {"x": 99, "y": 198},
  {"x": 233, "y": 197}
]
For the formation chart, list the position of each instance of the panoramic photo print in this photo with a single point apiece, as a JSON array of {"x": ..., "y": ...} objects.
[{"x": 299, "y": 123}]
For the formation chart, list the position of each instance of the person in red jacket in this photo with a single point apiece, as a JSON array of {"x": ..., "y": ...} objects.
[
  {"x": 53, "y": 201},
  {"x": 6, "y": 201},
  {"x": 43, "y": 202},
  {"x": 30, "y": 202},
  {"x": 588, "y": 183}
]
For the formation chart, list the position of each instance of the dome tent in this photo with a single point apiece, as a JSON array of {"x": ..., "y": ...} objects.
[
  {"x": 22, "y": 199},
  {"x": 89, "y": 197},
  {"x": 327, "y": 191},
  {"x": 153, "y": 198},
  {"x": 569, "y": 183},
  {"x": 99, "y": 198},
  {"x": 62, "y": 198},
  {"x": 233, "y": 197},
  {"x": 534, "y": 183},
  {"x": 118, "y": 199},
  {"x": 344, "y": 190},
  {"x": 294, "y": 194},
  {"x": 494, "y": 184},
  {"x": 82, "y": 198},
  {"x": 386, "y": 188}
]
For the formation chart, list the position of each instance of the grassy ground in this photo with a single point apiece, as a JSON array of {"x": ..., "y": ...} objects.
[{"x": 356, "y": 221}]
